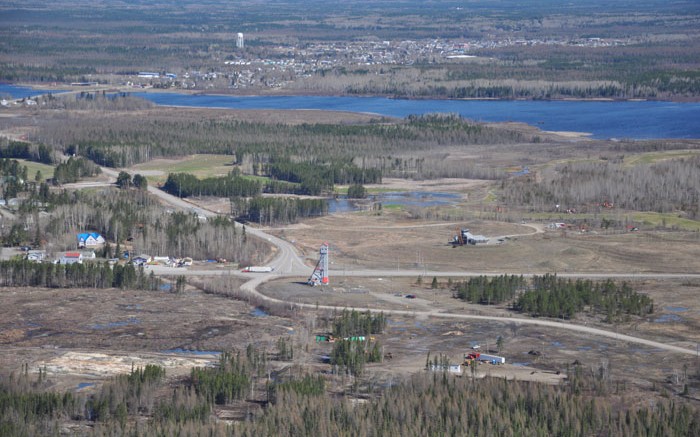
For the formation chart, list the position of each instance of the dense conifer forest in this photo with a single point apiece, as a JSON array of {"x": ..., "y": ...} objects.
[
  {"x": 22, "y": 273},
  {"x": 563, "y": 298},
  {"x": 432, "y": 403},
  {"x": 550, "y": 296}
]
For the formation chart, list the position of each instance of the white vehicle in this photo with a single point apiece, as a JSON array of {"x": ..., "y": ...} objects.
[{"x": 258, "y": 269}]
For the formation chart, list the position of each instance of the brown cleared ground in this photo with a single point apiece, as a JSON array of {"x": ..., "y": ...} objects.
[
  {"x": 531, "y": 352},
  {"x": 389, "y": 241},
  {"x": 94, "y": 334}
]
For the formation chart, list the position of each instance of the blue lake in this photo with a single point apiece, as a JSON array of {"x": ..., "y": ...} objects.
[
  {"x": 604, "y": 120},
  {"x": 19, "y": 92},
  {"x": 620, "y": 119}
]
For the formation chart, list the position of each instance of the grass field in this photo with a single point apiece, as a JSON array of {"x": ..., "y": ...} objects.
[
  {"x": 33, "y": 167},
  {"x": 654, "y": 157},
  {"x": 201, "y": 166},
  {"x": 646, "y": 219}
]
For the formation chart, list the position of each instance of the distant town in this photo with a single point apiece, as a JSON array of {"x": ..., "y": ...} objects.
[{"x": 284, "y": 64}]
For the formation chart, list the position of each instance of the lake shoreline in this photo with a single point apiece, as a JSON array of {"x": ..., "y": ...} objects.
[
  {"x": 571, "y": 119},
  {"x": 299, "y": 93}
]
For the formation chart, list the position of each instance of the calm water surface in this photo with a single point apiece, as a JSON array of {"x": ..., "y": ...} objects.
[{"x": 604, "y": 120}]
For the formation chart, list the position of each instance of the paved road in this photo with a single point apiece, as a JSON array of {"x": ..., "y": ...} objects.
[{"x": 287, "y": 262}]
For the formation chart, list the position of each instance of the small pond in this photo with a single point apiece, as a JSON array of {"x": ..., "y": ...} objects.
[{"x": 421, "y": 199}]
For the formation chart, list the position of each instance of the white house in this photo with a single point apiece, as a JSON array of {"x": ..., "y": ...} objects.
[
  {"x": 90, "y": 239},
  {"x": 72, "y": 258},
  {"x": 36, "y": 255}
]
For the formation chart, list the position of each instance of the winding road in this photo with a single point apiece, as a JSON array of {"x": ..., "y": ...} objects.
[{"x": 288, "y": 263}]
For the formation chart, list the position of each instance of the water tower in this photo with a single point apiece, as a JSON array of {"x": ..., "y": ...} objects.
[{"x": 239, "y": 40}]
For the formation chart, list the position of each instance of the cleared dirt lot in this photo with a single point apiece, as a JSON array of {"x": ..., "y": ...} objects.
[
  {"x": 390, "y": 241},
  {"x": 97, "y": 333}
]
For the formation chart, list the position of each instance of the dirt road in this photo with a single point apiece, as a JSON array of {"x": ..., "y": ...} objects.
[{"x": 288, "y": 263}]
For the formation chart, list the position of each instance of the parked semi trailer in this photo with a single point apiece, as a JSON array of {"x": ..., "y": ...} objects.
[
  {"x": 493, "y": 359},
  {"x": 258, "y": 269}
]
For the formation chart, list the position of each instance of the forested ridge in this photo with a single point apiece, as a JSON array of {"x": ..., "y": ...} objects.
[{"x": 126, "y": 139}]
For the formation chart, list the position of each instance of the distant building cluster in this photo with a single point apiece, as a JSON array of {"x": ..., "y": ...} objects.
[{"x": 284, "y": 64}]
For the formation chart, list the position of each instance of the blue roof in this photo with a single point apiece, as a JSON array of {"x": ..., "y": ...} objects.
[{"x": 86, "y": 235}]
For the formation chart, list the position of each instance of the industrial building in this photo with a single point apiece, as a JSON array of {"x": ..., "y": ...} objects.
[{"x": 465, "y": 237}]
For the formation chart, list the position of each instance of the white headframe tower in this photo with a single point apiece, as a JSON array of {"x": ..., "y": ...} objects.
[{"x": 320, "y": 273}]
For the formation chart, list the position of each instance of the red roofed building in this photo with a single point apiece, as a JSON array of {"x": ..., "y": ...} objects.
[{"x": 72, "y": 258}]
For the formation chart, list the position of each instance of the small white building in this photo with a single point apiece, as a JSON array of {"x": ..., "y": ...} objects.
[
  {"x": 36, "y": 255},
  {"x": 454, "y": 369}
]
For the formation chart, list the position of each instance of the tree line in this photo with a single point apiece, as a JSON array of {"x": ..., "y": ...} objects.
[
  {"x": 489, "y": 290},
  {"x": 277, "y": 210},
  {"x": 24, "y": 150},
  {"x": 350, "y": 356},
  {"x": 129, "y": 139},
  {"x": 353, "y": 323},
  {"x": 315, "y": 177},
  {"x": 304, "y": 178},
  {"x": 23, "y": 273},
  {"x": 133, "y": 219},
  {"x": 186, "y": 185},
  {"x": 13, "y": 178},
  {"x": 666, "y": 186},
  {"x": 229, "y": 381},
  {"x": 551, "y": 296},
  {"x": 73, "y": 170}
]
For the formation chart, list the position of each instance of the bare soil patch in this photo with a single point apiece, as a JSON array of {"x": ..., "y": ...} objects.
[
  {"x": 442, "y": 184},
  {"x": 103, "y": 331},
  {"x": 390, "y": 241}
]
